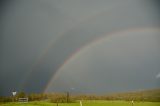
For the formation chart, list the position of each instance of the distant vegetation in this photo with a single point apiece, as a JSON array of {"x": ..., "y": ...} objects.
[{"x": 148, "y": 95}]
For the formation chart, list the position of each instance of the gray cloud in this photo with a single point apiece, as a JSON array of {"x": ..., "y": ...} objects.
[{"x": 29, "y": 27}]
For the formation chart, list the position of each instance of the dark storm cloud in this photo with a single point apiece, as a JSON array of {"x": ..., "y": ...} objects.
[{"x": 28, "y": 27}]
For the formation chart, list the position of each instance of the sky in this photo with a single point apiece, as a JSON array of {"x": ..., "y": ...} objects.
[{"x": 81, "y": 46}]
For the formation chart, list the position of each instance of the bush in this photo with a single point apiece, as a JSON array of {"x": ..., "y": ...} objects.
[
  {"x": 61, "y": 98},
  {"x": 5, "y": 99}
]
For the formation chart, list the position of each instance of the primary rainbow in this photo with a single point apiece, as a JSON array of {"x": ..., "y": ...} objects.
[{"x": 95, "y": 41}]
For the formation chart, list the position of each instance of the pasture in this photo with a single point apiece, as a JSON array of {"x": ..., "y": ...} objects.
[{"x": 85, "y": 103}]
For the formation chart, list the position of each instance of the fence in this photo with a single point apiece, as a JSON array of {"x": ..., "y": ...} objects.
[{"x": 24, "y": 100}]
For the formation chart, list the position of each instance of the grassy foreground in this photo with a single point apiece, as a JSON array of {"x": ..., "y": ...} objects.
[{"x": 85, "y": 103}]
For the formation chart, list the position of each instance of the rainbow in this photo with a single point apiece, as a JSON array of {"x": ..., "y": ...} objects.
[
  {"x": 51, "y": 44},
  {"x": 80, "y": 50}
]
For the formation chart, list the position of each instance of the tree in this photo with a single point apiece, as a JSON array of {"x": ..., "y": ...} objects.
[{"x": 21, "y": 95}]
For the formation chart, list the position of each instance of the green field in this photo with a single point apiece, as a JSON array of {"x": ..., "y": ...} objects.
[{"x": 85, "y": 103}]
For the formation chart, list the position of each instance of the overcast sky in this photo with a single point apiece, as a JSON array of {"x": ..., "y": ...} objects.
[{"x": 93, "y": 46}]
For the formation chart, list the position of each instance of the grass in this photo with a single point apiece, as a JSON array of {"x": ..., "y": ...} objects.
[{"x": 85, "y": 103}]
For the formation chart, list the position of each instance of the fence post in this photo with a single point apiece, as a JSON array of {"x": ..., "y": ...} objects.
[{"x": 80, "y": 103}]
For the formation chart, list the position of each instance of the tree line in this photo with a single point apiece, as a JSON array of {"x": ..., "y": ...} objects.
[{"x": 150, "y": 95}]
